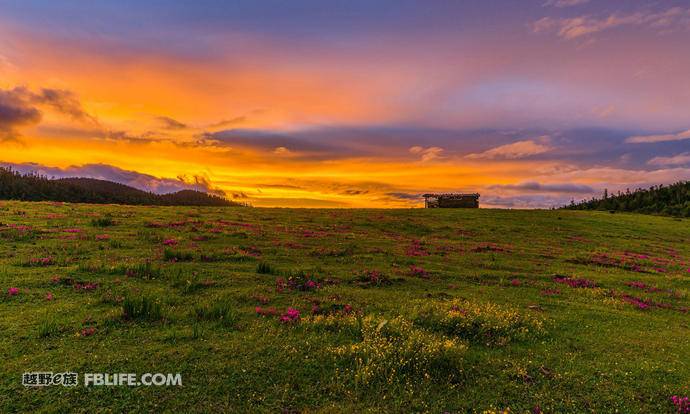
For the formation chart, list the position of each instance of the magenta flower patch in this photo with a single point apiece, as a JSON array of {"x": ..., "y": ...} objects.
[
  {"x": 574, "y": 282},
  {"x": 41, "y": 261},
  {"x": 682, "y": 404},
  {"x": 290, "y": 316},
  {"x": 418, "y": 271},
  {"x": 266, "y": 311},
  {"x": 416, "y": 249}
]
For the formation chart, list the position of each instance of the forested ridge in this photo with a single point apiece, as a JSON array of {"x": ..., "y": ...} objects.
[
  {"x": 35, "y": 187},
  {"x": 671, "y": 200}
]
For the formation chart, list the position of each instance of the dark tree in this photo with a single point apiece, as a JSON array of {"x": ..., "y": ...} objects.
[
  {"x": 34, "y": 187},
  {"x": 672, "y": 200}
]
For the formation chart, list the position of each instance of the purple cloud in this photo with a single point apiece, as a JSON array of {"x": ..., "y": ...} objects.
[
  {"x": 534, "y": 186},
  {"x": 134, "y": 179},
  {"x": 19, "y": 107}
]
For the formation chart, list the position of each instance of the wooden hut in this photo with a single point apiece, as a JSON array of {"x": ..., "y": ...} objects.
[{"x": 451, "y": 200}]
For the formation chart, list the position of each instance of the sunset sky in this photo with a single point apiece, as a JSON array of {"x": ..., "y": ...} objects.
[{"x": 354, "y": 103}]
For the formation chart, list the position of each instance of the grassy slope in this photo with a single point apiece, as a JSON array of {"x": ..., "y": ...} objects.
[{"x": 599, "y": 353}]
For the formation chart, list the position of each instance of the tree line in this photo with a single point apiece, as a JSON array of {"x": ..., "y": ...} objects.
[
  {"x": 671, "y": 200},
  {"x": 35, "y": 187}
]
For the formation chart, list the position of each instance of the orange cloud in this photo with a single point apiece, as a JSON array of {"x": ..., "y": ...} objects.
[
  {"x": 515, "y": 150},
  {"x": 427, "y": 154}
]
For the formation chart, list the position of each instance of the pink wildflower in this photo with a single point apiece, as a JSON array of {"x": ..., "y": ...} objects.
[
  {"x": 41, "y": 261},
  {"x": 88, "y": 331},
  {"x": 416, "y": 249},
  {"x": 280, "y": 285},
  {"x": 291, "y": 316},
  {"x": 418, "y": 271},
  {"x": 49, "y": 296},
  {"x": 170, "y": 242},
  {"x": 86, "y": 286},
  {"x": 573, "y": 282},
  {"x": 637, "y": 285},
  {"x": 682, "y": 404},
  {"x": 13, "y": 291},
  {"x": 637, "y": 302},
  {"x": 265, "y": 311},
  {"x": 456, "y": 308}
]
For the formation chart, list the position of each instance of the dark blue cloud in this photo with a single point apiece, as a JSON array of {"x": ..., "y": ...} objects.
[
  {"x": 583, "y": 147},
  {"x": 20, "y": 106},
  {"x": 533, "y": 186}
]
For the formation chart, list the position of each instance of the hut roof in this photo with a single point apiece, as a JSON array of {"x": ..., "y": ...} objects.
[{"x": 451, "y": 195}]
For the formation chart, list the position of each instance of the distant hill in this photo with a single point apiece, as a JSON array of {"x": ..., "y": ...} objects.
[
  {"x": 672, "y": 200},
  {"x": 33, "y": 187}
]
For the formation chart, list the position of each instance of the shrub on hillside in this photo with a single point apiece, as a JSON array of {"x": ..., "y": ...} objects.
[
  {"x": 396, "y": 352},
  {"x": 485, "y": 323}
]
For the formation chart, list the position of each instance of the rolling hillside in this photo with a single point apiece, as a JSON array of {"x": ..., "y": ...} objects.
[
  {"x": 31, "y": 187},
  {"x": 308, "y": 310}
]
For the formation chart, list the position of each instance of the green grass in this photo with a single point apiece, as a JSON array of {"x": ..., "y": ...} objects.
[
  {"x": 222, "y": 311},
  {"x": 103, "y": 222},
  {"x": 141, "y": 308},
  {"x": 264, "y": 268},
  {"x": 47, "y": 328},
  {"x": 399, "y": 310},
  {"x": 172, "y": 255}
]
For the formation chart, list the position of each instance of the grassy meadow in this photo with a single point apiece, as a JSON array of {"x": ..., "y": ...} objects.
[{"x": 300, "y": 310}]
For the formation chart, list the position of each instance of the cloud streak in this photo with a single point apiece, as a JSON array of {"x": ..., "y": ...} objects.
[
  {"x": 526, "y": 201},
  {"x": 516, "y": 150},
  {"x": 650, "y": 139},
  {"x": 533, "y": 186},
  {"x": 170, "y": 123},
  {"x": 565, "y": 3},
  {"x": 427, "y": 154},
  {"x": 572, "y": 28},
  {"x": 20, "y": 107},
  {"x": 679, "y": 159},
  {"x": 62, "y": 101}
]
